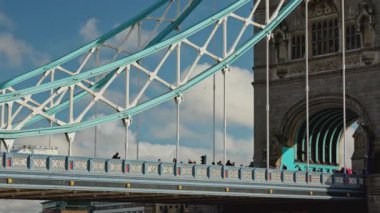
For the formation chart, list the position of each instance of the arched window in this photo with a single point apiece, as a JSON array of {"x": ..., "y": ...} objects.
[
  {"x": 298, "y": 46},
  {"x": 353, "y": 38},
  {"x": 325, "y": 37}
]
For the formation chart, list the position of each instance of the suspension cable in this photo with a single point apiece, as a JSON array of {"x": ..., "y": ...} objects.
[
  {"x": 127, "y": 122},
  {"x": 51, "y": 106},
  {"x": 344, "y": 85},
  {"x": 225, "y": 70},
  {"x": 96, "y": 107},
  {"x": 213, "y": 104},
  {"x": 126, "y": 140},
  {"x": 178, "y": 98},
  {"x": 253, "y": 96},
  {"x": 138, "y": 88},
  {"x": 267, "y": 83},
  {"x": 307, "y": 82}
]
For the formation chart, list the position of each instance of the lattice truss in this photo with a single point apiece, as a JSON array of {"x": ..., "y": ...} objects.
[{"x": 153, "y": 58}]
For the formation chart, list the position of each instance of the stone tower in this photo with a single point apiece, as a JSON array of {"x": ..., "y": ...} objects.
[{"x": 287, "y": 90}]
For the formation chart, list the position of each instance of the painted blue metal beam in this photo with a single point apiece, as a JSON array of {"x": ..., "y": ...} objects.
[
  {"x": 291, "y": 5},
  {"x": 85, "y": 48},
  {"x": 326, "y": 122},
  {"x": 98, "y": 85},
  {"x": 315, "y": 128},
  {"x": 125, "y": 61},
  {"x": 301, "y": 131}
]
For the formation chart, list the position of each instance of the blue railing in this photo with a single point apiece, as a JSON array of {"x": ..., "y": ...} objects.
[{"x": 131, "y": 168}]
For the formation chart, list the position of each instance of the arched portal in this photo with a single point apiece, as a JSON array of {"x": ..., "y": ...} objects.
[
  {"x": 326, "y": 136},
  {"x": 326, "y": 131}
]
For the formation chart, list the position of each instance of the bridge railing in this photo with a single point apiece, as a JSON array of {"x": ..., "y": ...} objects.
[{"x": 131, "y": 168}]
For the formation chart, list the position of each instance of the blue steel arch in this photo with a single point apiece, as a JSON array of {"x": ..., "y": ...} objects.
[
  {"x": 315, "y": 119},
  {"x": 292, "y": 128},
  {"x": 326, "y": 128},
  {"x": 288, "y": 7}
]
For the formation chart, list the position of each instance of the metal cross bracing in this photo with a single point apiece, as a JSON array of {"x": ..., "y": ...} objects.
[
  {"x": 64, "y": 94},
  {"x": 107, "y": 48}
]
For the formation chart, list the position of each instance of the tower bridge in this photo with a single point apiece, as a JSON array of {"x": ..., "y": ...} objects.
[{"x": 316, "y": 79}]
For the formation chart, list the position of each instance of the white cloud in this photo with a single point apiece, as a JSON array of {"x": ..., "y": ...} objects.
[
  {"x": 14, "y": 52},
  {"x": 196, "y": 114},
  {"x": 239, "y": 97},
  {"x": 197, "y": 107},
  {"x": 58, "y": 141},
  {"x": 5, "y": 21},
  {"x": 111, "y": 140},
  {"x": 89, "y": 30}
]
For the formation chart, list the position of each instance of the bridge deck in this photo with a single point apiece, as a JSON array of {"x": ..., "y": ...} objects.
[{"x": 57, "y": 177}]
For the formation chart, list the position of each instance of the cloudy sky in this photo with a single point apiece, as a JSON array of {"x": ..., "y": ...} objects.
[{"x": 34, "y": 33}]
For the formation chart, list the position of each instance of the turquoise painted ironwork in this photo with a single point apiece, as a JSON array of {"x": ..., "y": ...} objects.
[
  {"x": 325, "y": 139},
  {"x": 125, "y": 61},
  {"x": 287, "y": 158},
  {"x": 162, "y": 35},
  {"x": 335, "y": 126},
  {"x": 335, "y": 138},
  {"x": 315, "y": 127},
  {"x": 325, "y": 121},
  {"x": 85, "y": 48},
  {"x": 287, "y": 9},
  {"x": 313, "y": 119},
  {"x": 324, "y": 128},
  {"x": 98, "y": 85}
]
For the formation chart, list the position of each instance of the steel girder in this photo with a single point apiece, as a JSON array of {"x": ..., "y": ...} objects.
[
  {"x": 63, "y": 94},
  {"x": 326, "y": 129}
]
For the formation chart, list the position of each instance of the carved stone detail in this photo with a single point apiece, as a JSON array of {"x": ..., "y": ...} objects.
[{"x": 320, "y": 8}]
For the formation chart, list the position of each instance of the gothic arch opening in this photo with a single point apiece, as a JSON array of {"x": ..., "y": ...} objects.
[
  {"x": 325, "y": 139},
  {"x": 326, "y": 136}
]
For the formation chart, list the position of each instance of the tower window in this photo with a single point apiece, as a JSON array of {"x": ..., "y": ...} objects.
[
  {"x": 353, "y": 38},
  {"x": 298, "y": 46},
  {"x": 325, "y": 37}
]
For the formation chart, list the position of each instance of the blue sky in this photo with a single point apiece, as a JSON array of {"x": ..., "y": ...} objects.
[
  {"x": 44, "y": 30},
  {"x": 33, "y": 34}
]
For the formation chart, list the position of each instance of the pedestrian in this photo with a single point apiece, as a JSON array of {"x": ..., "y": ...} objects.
[
  {"x": 116, "y": 156},
  {"x": 349, "y": 171},
  {"x": 284, "y": 167}
]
